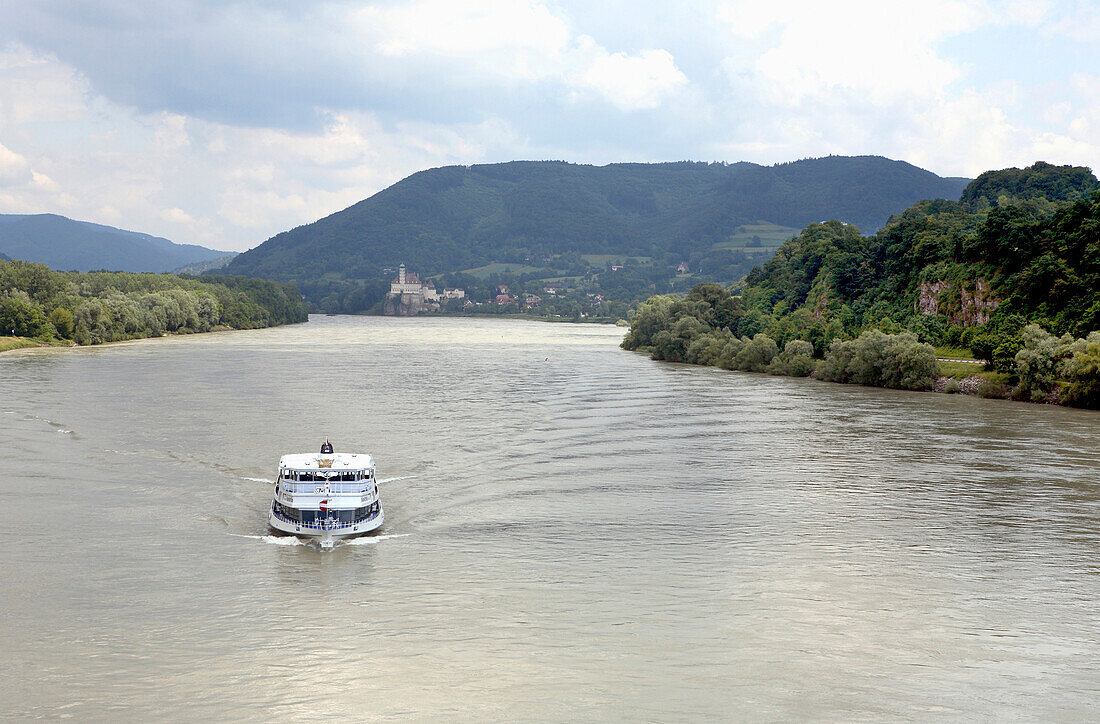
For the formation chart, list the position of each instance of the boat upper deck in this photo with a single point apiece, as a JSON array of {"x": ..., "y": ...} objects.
[{"x": 326, "y": 461}]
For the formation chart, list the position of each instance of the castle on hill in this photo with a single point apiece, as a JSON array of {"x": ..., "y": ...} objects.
[
  {"x": 406, "y": 283},
  {"x": 409, "y": 296}
]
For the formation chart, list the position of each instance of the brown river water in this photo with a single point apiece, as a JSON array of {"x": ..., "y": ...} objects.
[{"x": 573, "y": 532}]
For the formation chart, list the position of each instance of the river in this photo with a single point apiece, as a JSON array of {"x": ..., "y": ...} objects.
[{"x": 572, "y": 532}]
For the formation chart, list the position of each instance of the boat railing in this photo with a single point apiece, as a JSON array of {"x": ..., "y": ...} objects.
[
  {"x": 321, "y": 488},
  {"x": 326, "y": 523}
]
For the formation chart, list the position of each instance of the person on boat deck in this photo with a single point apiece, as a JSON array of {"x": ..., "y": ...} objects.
[{"x": 326, "y": 448}]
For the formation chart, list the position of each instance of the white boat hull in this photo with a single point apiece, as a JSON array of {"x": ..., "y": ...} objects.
[{"x": 326, "y": 536}]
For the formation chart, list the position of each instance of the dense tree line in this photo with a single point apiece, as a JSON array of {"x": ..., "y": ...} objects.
[
  {"x": 710, "y": 327},
  {"x": 96, "y": 307},
  {"x": 1015, "y": 279}
]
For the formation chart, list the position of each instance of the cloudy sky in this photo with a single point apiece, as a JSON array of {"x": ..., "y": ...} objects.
[{"x": 222, "y": 123}]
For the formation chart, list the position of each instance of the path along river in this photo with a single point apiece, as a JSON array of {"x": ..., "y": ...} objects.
[{"x": 572, "y": 532}]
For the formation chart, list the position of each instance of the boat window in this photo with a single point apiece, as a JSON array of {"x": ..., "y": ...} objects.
[{"x": 288, "y": 512}]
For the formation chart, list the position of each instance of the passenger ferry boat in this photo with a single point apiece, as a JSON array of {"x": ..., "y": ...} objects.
[{"x": 326, "y": 495}]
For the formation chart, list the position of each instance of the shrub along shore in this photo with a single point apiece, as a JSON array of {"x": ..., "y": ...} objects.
[
  {"x": 51, "y": 307},
  {"x": 702, "y": 327}
]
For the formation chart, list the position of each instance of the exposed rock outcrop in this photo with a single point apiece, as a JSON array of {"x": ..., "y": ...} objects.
[
  {"x": 403, "y": 305},
  {"x": 966, "y": 304}
]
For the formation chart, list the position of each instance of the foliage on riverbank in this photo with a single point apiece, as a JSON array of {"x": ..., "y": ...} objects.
[
  {"x": 703, "y": 328},
  {"x": 96, "y": 307},
  {"x": 969, "y": 274},
  {"x": 1017, "y": 257}
]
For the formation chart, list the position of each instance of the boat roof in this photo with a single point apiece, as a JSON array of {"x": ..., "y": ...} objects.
[{"x": 340, "y": 461}]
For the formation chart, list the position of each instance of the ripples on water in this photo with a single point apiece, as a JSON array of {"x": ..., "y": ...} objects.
[{"x": 572, "y": 531}]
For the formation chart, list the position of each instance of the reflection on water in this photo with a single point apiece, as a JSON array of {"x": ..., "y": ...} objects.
[{"x": 572, "y": 531}]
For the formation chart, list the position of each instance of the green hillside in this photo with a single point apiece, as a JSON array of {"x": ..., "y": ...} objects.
[
  {"x": 63, "y": 243},
  {"x": 1003, "y": 278},
  {"x": 457, "y": 218}
]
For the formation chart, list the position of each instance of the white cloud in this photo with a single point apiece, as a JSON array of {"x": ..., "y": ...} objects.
[
  {"x": 14, "y": 169},
  {"x": 38, "y": 89},
  {"x": 43, "y": 182},
  {"x": 507, "y": 37},
  {"x": 517, "y": 40},
  {"x": 631, "y": 82},
  {"x": 869, "y": 51},
  {"x": 171, "y": 132},
  {"x": 102, "y": 162},
  {"x": 176, "y": 215}
]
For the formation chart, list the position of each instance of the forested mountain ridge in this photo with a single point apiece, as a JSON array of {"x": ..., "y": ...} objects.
[
  {"x": 457, "y": 217},
  {"x": 63, "y": 243}
]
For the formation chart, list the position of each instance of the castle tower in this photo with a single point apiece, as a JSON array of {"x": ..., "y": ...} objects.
[{"x": 401, "y": 274}]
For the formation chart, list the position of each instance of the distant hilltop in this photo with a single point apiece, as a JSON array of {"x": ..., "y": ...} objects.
[
  {"x": 459, "y": 217},
  {"x": 66, "y": 244}
]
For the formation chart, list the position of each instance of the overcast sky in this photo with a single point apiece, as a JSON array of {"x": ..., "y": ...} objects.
[{"x": 222, "y": 123}]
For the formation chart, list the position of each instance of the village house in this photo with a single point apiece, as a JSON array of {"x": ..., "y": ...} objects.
[
  {"x": 531, "y": 300},
  {"x": 430, "y": 293}
]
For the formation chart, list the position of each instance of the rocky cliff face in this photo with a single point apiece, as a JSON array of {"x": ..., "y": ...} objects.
[
  {"x": 967, "y": 304},
  {"x": 403, "y": 305}
]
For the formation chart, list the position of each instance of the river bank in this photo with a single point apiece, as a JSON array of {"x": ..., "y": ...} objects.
[
  {"x": 12, "y": 344},
  {"x": 699, "y": 329},
  {"x": 8, "y": 344},
  {"x": 527, "y": 317}
]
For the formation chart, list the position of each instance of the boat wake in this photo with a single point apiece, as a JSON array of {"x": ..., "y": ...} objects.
[
  {"x": 367, "y": 540},
  {"x": 390, "y": 480},
  {"x": 292, "y": 540},
  {"x": 278, "y": 540},
  {"x": 260, "y": 480}
]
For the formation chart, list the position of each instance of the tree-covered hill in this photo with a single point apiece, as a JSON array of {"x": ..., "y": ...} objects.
[
  {"x": 998, "y": 277},
  {"x": 1040, "y": 182},
  {"x": 938, "y": 266},
  {"x": 460, "y": 217},
  {"x": 63, "y": 243}
]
